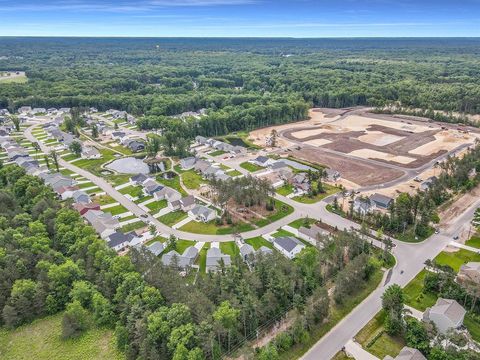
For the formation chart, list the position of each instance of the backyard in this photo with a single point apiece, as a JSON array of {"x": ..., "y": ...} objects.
[{"x": 250, "y": 167}]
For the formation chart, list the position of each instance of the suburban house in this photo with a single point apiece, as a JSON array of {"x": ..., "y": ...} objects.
[
  {"x": 262, "y": 161},
  {"x": 186, "y": 259},
  {"x": 80, "y": 196},
  {"x": 36, "y": 111},
  {"x": 469, "y": 273},
  {"x": 381, "y": 201},
  {"x": 428, "y": 183},
  {"x": 156, "y": 248},
  {"x": 167, "y": 193},
  {"x": 56, "y": 181},
  {"x": 311, "y": 234},
  {"x": 118, "y": 240},
  {"x": 117, "y": 135},
  {"x": 103, "y": 223},
  {"x": 288, "y": 246},
  {"x": 214, "y": 259},
  {"x": 362, "y": 205},
  {"x": 277, "y": 165},
  {"x": 300, "y": 183},
  {"x": 66, "y": 192},
  {"x": 136, "y": 146},
  {"x": 151, "y": 187},
  {"x": 188, "y": 163},
  {"x": 201, "y": 166},
  {"x": 246, "y": 251},
  {"x": 445, "y": 314},
  {"x": 139, "y": 179},
  {"x": 407, "y": 353},
  {"x": 89, "y": 152},
  {"x": 82, "y": 208},
  {"x": 187, "y": 203},
  {"x": 201, "y": 140},
  {"x": 24, "y": 109},
  {"x": 202, "y": 213}
]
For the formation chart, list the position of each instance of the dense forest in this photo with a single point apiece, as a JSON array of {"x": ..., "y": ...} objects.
[
  {"x": 50, "y": 262},
  {"x": 243, "y": 83}
]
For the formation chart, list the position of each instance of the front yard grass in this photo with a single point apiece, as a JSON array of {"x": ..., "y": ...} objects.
[
  {"x": 180, "y": 246},
  {"x": 133, "y": 226},
  {"x": 251, "y": 167},
  {"x": 258, "y": 242},
  {"x": 376, "y": 341},
  {"x": 132, "y": 190},
  {"x": 94, "y": 165},
  {"x": 172, "y": 217},
  {"x": 474, "y": 241},
  {"x": 457, "y": 258},
  {"x": 115, "y": 210},
  {"x": 156, "y": 206},
  {"x": 229, "y": 248},
  {"x": 217, "y": 153},
  {"x": 285, "y": 190},
  {"x": 103, "y": 199},
  {"x": 202, "y": 258},
  {"x": 307, "y": 222}
]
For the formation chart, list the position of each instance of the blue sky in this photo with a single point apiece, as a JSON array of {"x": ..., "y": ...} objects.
[{"x": 269, "y": 18}]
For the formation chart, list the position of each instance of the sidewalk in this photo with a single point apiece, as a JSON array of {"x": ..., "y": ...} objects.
[{"x": 354, "y": 349}]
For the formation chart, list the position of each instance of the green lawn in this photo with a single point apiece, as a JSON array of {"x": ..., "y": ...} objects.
[
  {"x": 103, "y": 199},
  {"x": 173, "y": 183},
  {"x": 281, "y": 210},
  {"x": 192, "y": 179},
  {"x": 94, "y": 165},
  {"x": 85, "y": 185},
  {"x": 473, "y": 325},
  {"x": 41, "y": 340},
  {"x": 156, "y": 206},
  {"x": 341, "y": 356},
  {"x": 142, "y": 199},
  {"x": 132, "y": 190},
  {"x": 414, "y": 295},
  {"x": 234, "y": 173},
  {"x": 181, "y": 246},
  {"x": 282, "y": 233},
  {"x": 457, "y": 258},
  {"x": 229, "y": 248},
  {"x": 115, "y": 210},
  {"x": 118, "y": 179},
  {"x": 285, "y": 190},
  {"x": 22, "y": 79},
  {"x": 337, "y": 313},
  {"x": 212, "y": 228},
  {"x": 251, "y": 167},
  {"x": 376, "y": 341},
  {"x": 217, "y": 153},
  {"x": 474, "y": 241},
  {"x": 172, "y": 217},
  {"x": 297, "y": 224},
  {"x": 258, "y": 242},
  {"x": 133, "y": 226},
  {"x": 329, "y": 190},
  {"x": 202, "y": 258}
]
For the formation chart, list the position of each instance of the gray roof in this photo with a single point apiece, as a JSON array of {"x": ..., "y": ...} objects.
[
  {"x": 381, "y": 200},
  {"x": 287, "y": 242},
  {"x": 450, "y": 308},
  {"x": 262, "y": 159},
  {"x": 139, "y": 178},
  {"x": 214, "y": 255},
  {"x": 408, "y": 353},
  {"x": 313, "y": 231},
  {"x": 246, "y": 249},
  {"x": 156, "y": 248},
  {"x": 188, "y": 162},
  {"x": 278, "y": 165},
  {"x": 187, "y": 200},
  {"x": 118, "y": 238},
  {"x": 201, "y": 210},
  {"x": 191, "y": 252}
]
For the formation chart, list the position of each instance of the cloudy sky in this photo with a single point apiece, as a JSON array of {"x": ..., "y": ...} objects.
[{"x": 275, "y": 18}]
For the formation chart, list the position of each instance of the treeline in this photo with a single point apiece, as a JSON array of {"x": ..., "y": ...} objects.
[
  {"x": 448, "y": 117},
  {"x": 411, "y": 215},
  {"x": 51, "y": 262}
]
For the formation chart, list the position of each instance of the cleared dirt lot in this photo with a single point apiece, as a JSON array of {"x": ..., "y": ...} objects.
[{"x": 356, "y": 171}]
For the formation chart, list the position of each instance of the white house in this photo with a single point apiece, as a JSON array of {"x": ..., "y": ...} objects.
[
  {"x": 288, "y": 246},
  {"x": 202, "y": 213},
  {"x": 90, "y": 153}
]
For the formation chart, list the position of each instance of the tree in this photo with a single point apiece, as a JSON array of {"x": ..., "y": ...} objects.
[
  {"x": 75, "y": 320},
  {"x": 54, "y": 157},
  {"x": 273, "y": 138},
  {"x": 392, "y": 303},
  {"x": 226, "y": 316},
  {"x": 76, "y": 148},
  {"x": 416, "y": 335},
  {"x": 94, "y": 130},
  {"x": 16, "y": 122},
  {"x": 20, "y": 308}
]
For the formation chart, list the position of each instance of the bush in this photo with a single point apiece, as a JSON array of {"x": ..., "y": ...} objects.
[{"x": 75, "y": 320}]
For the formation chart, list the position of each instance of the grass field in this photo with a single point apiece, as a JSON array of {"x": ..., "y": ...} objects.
[
  {"x": 172, "y": 217},
  {"x": 181, "y": 245},
  {"x": 94, "y": 165},
  {"x": 414, "y": 295},
  {"x": 192, "y": 180},
  {"x": 297, "y": 224},
  {"x": 229, "y": 248},
  {"x": 156, "y": 206},
  {"x": 457, "y": 258},
  {"x": 132, "y": 190},
  {"x": 115, "y": 210},
  {"x": 281, "y": 210},
  {"x": 133, "y": 226},
  {"x": 118, "y": 179},
  {"x": 329, "y": 190},
  {"x": 376, "y": 341},
  {"x": 173, "y": 183},
  {"x": 103, "y": 200},
  {"x": 285, "y": 190},
  {"x": 251, "y": 167},
  {"x": 474, "y": 241},
  {"x": 14, "y": 80},
  {"x": 41, "y": 340},
  {"x": 217, "y": 153},
  {"x": 211, "y": 228},
  {"x": 202, "y": 258}
]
